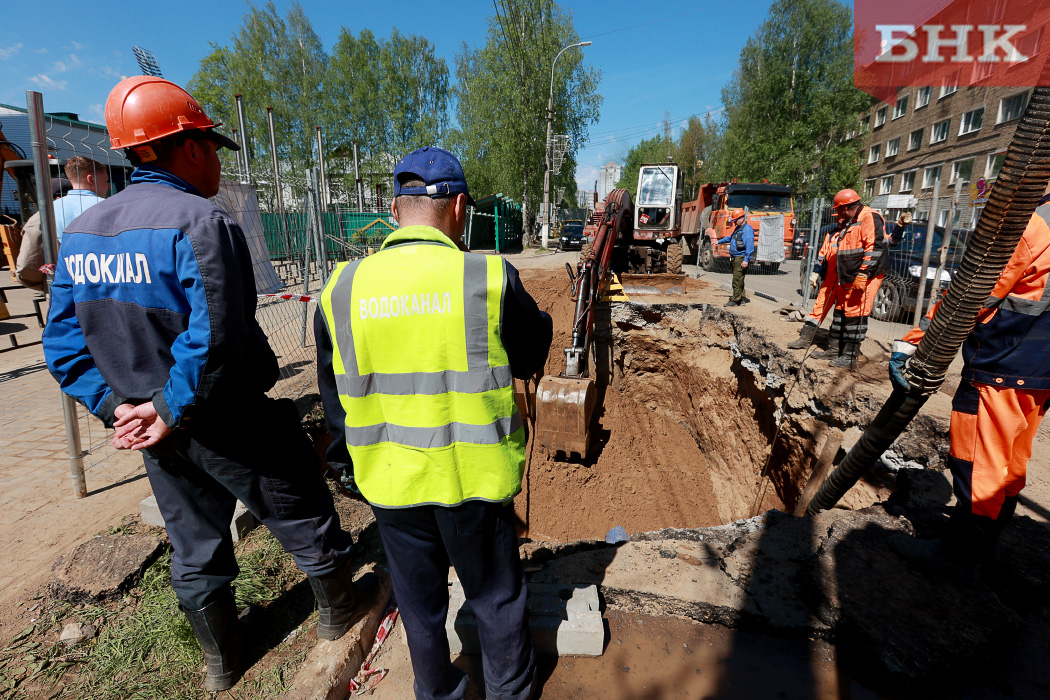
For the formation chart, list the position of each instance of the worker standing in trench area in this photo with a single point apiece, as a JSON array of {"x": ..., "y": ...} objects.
[
  {"x": 741, "y": 248},
  {"x": 824, "y": 279},
  {"x": 861, "y": 260},
  {"x": 152, "y": 327},
  {"x": 1002, "y": 397}
]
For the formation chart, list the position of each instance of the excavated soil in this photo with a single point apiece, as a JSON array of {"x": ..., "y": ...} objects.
[{"x": 689, "y": 399}]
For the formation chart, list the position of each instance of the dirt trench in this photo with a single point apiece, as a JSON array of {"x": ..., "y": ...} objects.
[{"x": 689, "y": 403}]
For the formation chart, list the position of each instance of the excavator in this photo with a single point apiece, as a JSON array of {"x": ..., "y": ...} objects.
[{"x": 565, "y": 403}]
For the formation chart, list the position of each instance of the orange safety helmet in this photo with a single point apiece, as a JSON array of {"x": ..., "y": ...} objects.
[
  {"x": 846, "y": 197},
  {"x": 143, "y": 108},
  {"x": 738, "y": 213}
]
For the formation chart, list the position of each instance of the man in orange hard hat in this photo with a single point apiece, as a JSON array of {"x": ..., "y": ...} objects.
[
  {"x": 741, "y": 240},
  {"x": 152, "y": 327},
  {"x": 860, "y": 262}
]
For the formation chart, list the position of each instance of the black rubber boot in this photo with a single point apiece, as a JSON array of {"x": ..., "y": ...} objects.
[
  {"x": 832, "y": 352},
  {"x": 340, "y": 601},
  {"x": 959, "y": 553},
  {"x": 848, "y": 357},
  {"x": 216, "y": 628},
  {"x": 805, "y": 337}
]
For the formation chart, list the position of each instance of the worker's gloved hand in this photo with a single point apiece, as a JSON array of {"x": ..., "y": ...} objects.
[
  {"x": 902, "y": 352},
  {"x": 904, "y": 218},
  {"x": 346, "y": 480},
  {"x": 814, "y": 280}
]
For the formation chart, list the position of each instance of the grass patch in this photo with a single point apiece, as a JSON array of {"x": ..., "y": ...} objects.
[{"x": 145, "y": 648}]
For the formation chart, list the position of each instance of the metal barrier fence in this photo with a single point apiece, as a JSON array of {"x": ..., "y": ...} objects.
[{"x": 901, "y": 300}]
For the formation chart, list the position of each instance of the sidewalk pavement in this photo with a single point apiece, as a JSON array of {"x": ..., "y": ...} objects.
[{"x": 40, "y": 518}]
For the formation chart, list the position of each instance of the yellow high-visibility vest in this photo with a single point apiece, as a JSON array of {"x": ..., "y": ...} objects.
[{"x": 422, "y": 373}]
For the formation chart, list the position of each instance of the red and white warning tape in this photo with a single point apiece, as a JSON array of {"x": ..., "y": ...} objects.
[
  {"x": 368, "y": 677},
  {"x": 293, "y": 297}
]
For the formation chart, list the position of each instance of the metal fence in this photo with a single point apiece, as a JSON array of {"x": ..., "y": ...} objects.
[{"x": 901, "y": 300}]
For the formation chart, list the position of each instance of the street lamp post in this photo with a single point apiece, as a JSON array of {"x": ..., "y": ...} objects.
[{"x": 548, "y": 156}]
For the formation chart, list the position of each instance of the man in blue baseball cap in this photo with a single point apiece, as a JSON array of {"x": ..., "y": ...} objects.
[{"x": 417, "y": 350}]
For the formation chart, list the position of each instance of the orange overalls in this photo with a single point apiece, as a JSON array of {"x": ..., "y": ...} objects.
[
  {"x": 861, "y": 262},
  {"x": 1005, "y": 388},
  {"x": 826, "y": 294}
]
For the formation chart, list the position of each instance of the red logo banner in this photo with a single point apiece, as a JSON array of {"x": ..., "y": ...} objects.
[{"x": 949, "y": 44}]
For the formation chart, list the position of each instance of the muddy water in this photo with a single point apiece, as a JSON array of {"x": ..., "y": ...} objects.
[{"x": 670, "y": 659}]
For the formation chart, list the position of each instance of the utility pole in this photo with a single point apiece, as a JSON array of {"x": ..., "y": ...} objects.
[{"x": 548, "y": 155}]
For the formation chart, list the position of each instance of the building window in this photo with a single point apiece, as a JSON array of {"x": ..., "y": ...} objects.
[
  {"x": 915, "y": 139},
  {"x": 950, "y": 85},
  {"x": 893, "y": 146},
  {"x": 907, "y": 181},
  {"x": 942, "y": 217},
  {"x": 1028, "y": 45},
  {"x": 869, "y": 188},
  {"x": 1011, "y": 108},
  {"x": 886, "y": 185},
  {"x": 930, "y": 176},
  {"x": 971, "y": 121},
  {"x": 874, "y": 152},
  {"x": 961, "y": 170},
  {"x": 995, "y": 164},
  {"x": 902, "y": 107},
  {"x": 922, "y": 97},
  {"x": 939, "y": 131},
  {"x": 880, "y": 117}
]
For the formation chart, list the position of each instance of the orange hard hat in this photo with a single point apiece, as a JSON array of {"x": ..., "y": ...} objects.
[
  {"x": 737, "y": 214},
  {"x": 846, "y": 197},
  {"x": 144, "y": 108}
]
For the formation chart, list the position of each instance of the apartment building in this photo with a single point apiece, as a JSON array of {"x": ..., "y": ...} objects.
[{"x": 958, "y": 136}]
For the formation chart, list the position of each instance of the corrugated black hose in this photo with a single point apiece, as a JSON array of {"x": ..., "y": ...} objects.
[{"x": 1014, "y": 198}]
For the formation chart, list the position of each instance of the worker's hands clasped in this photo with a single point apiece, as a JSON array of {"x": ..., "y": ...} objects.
[{"x": 138, "y": 427}]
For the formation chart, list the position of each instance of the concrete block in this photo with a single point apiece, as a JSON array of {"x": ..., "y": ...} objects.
[
  {"x": 243, "y": 521},
  {"x": 565, "y": 620}
]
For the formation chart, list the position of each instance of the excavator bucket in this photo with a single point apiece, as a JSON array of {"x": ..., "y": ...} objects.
[
  {"x": 653, "y": 285},
  {"x": 563, "y": 414}
]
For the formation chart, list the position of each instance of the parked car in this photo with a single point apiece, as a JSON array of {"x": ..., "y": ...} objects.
[
  {"x": 571, "y": 237},
  {"x": 896, "y": 298}
]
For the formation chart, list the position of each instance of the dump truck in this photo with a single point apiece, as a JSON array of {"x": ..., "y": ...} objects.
[{"x": 770, "y": 211}]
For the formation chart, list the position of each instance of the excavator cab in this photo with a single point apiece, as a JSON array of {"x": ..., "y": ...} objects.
[{"x": 659, "y": 205}]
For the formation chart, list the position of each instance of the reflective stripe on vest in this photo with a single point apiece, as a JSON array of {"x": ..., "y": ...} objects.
[{"x": 422, "y": 374}]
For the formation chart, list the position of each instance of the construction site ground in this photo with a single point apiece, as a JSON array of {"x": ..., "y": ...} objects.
[{"x": 694, "y": 397}]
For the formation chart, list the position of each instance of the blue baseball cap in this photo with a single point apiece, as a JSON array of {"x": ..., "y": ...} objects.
[{"x": 438, "y": 168}]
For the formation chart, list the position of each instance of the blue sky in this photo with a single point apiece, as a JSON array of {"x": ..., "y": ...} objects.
[{"x": 666, "y": 58}]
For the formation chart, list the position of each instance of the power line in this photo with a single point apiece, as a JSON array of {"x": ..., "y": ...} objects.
[{"x": 662, "y": 19}]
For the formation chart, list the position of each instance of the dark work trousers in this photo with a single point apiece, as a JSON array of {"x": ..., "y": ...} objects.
[
  {"x": 738, "y": 278},
  {"x": 256, "y": 452},
  {"x": 479, "y": 540}
]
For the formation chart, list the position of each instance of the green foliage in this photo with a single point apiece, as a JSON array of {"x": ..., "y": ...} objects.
[
  {"x": 391, "y": 95},
  {"x": 501, "y": 94},
  {"x": 791, "y": 105}
]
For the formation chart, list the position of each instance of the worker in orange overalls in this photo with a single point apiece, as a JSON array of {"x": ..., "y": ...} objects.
[
  {"x": 825, "y": 279},
  {"x": 996, "y": 411},
  {"x": 860, "y": 263}
]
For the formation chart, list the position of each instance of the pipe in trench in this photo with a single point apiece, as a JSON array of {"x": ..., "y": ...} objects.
[{"x": 1014, "y": 198}]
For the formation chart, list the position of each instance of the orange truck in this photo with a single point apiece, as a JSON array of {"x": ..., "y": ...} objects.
[{"x": 770, "y": 211}]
